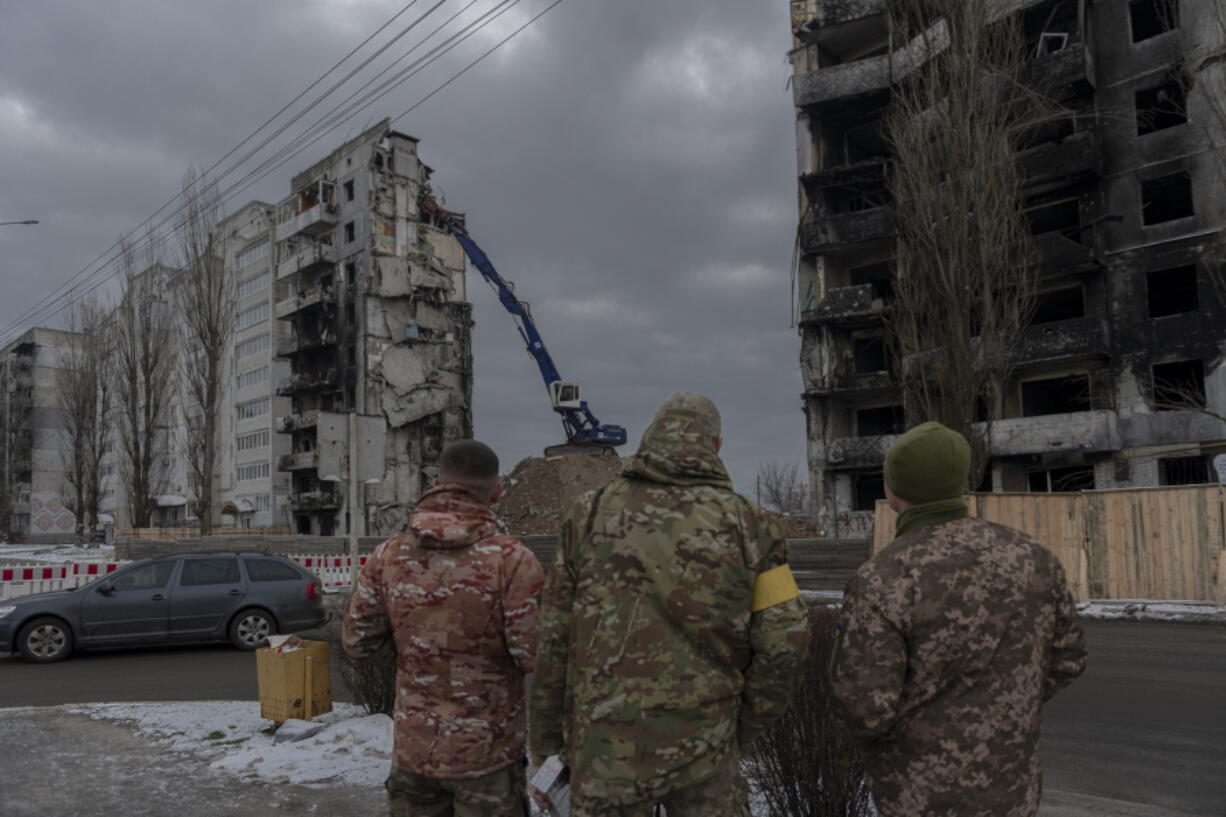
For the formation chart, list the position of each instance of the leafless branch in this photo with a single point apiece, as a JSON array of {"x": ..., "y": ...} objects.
[{"x": 205, "y": 295}]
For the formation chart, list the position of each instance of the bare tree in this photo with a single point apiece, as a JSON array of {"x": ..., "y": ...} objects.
[
  {"x": 144, "y": 368},
  {"x": 83, "y": 389},
  {"x": 966, "y": 269},
  {"x": 782, "y": 487},
  {"x": 205, "y": 296}
]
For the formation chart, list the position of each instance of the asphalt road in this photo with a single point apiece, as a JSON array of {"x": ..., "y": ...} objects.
[{"x": 1142, "y": 733}]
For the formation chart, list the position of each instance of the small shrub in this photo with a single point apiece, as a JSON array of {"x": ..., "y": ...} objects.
[
  {"x": 803, "y": 766},
  {"x": 371, "y": 683}
]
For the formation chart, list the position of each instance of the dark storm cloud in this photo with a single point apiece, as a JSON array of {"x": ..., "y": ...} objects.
[{"x": 628, "y": 164}]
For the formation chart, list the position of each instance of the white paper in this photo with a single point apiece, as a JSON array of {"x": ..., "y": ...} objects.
[{"x": 552, "y": 780}]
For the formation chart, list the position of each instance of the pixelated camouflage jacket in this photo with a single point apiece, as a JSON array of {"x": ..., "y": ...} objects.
[
  {"x": 458, "y": 603},
  {"x": 652, "y": 664},
  {"x": 952, "y": 638}
]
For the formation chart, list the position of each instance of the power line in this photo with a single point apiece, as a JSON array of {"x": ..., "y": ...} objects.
[
  {"x": 329, "y": 125},
  {"x": 67, "y": 287}
]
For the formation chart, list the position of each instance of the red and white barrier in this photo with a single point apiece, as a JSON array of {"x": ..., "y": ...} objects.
[{"x": 24, "y": 580}]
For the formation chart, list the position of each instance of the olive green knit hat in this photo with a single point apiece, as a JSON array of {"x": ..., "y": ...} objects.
[{"x": 927, "y": 464}]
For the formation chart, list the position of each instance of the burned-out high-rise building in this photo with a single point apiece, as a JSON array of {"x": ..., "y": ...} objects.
[
  {"x": 1118, "y": 380},
  {"x": 379, "y": 326}
]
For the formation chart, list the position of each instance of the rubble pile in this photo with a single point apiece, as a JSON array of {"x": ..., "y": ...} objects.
[{"x": 541, "y": 490}]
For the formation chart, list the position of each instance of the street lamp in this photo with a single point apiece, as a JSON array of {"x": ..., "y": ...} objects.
[{"x": 27, "y": 221}]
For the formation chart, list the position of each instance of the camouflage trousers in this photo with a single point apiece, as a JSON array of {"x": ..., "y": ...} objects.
[
  {"x": 724, "y": 795},
  {"x": 498, "y": 794}
]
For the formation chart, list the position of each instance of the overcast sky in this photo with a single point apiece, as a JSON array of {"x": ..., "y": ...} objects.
[{"x": 629, "y": 164}]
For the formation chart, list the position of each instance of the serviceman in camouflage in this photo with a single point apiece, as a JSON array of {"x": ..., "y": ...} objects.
[
  {"x": 953, "y": 636},
  {"x": 671, "y": 632},
  {"x": 455, "y": 604}
]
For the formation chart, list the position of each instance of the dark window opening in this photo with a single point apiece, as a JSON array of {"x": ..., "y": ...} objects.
[
  {"x": 878, "y": 422},
  {"x": 864, "y": 142},
  {"x": 880, "y": 275},
  {"x": 1061, "y": 216},
  {"x": 1059, "y": 305},
  {"x": 1161, "y": 107},
  {"x": 870, "y": 355},
  {"x": 1061, "y": 480},
  {"x": 985, "y": 484},
  {"x": 1185, "y": 471},
  {"x": 1179, "y": 386},
  {"x": 351, "y": 272},
  {"x": 1172, "y": 291},
  {"x": 304, "y": 525},
  {"x": 1166, "y": 198},
  {"x": 868, "y": 489},
  {"x": 1056, "y": 395},
  {"x": 1150, "y": 18},
  {"x": 351, "y": 232},
  {"x": 349, "y": 190},
  {"x": 378, "y": 160}
]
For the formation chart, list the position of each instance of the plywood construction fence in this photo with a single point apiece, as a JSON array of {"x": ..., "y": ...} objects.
[{"x": 1148, "y": 543}]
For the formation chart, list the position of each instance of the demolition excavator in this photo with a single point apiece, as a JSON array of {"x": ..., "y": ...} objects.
[{"x": 584, "y": 432}]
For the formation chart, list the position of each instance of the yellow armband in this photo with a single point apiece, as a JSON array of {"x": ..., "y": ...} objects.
[{"x": 775, "y": 586}]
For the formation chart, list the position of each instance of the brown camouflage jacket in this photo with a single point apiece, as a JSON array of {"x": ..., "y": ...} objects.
[
  {"x": 458, "y": 604},
  {"x": 952, "y": 638},
  {"x": 653, "y": 662}
]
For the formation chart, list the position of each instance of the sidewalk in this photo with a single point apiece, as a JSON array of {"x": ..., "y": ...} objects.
[{"x": 59, "y": 764}]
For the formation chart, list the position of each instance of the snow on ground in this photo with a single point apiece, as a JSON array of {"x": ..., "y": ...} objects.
[
  {"x": 55, "y": 554},
  {"x": 1193, "y": 612},
  {"x": 354, "y": 748}
]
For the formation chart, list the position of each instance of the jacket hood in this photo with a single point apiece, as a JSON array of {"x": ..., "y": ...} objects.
[
  {"x": 451, "y": 516},
  {"x": 679, "y": 449}
]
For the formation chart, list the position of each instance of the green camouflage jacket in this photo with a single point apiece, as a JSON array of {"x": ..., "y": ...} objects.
[
  {"x": 952, "y": 638},
  {"x": 653, "y": 664}
]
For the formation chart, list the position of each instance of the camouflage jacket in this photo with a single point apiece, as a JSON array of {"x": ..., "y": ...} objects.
[
  {"x": 652, "y": 662},
  {"x": 458, "y": 605},
  {"x": 953, "y": 636}
]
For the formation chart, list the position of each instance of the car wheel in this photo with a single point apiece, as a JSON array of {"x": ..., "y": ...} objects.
[
  {"x": 45, "y": 640},
  {"x": 250, "y": 629}
]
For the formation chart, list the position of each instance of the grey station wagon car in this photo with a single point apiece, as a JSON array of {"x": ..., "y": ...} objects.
[{"x": 243, "y": 597}]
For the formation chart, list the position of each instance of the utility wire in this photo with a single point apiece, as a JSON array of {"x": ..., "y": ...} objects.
[
  {"x": 248, "y": 181},
  {"x": 383, "y": 89},
  {"x": 67, "y": 286}
]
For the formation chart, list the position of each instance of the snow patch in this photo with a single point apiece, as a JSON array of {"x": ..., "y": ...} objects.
[
  {"x": 1144, "y": 610},
  {"x": 352, "y": 749}
]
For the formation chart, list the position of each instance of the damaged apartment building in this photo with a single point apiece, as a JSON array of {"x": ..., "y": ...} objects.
[
  {"x": 375, "y": 304},
  {"x": 1118, "y": 378}
]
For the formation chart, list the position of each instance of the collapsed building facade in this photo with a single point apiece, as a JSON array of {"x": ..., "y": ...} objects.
[
  {"x": 375, "y": 302},
  {"x": 1118, "y": 380}
]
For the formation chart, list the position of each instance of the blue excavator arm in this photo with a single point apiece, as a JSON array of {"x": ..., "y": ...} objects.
[{"x": 582, "y": 426}]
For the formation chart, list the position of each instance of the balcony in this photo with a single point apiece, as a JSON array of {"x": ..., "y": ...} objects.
[
  {"x": 299, "y": 461},
  {"x": 870, "y": 75},
  {"x": 1078, "y": 432},
  {"x": 1074, "y": 339},
  {"x": 316, "y": 501},
  {"x": 869, "y": 171},
  {"x": 311, "y": 212},
  {"x": 861, "y": 385},
  {"x": 1058, "y": 164},
  {"x": 308, "y": 381},
  {"x": 297, "y": 422},
  {"x": 314, "y": 297},
  {"x": 846, "y": 306},
  {"x": 305, "y": 256},
  {"x": 854, "y": 453},
  {"x": 1068, "y": 67},
  {"x": 830, "y": 232},
  {"x": 298, "y": 343}
]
